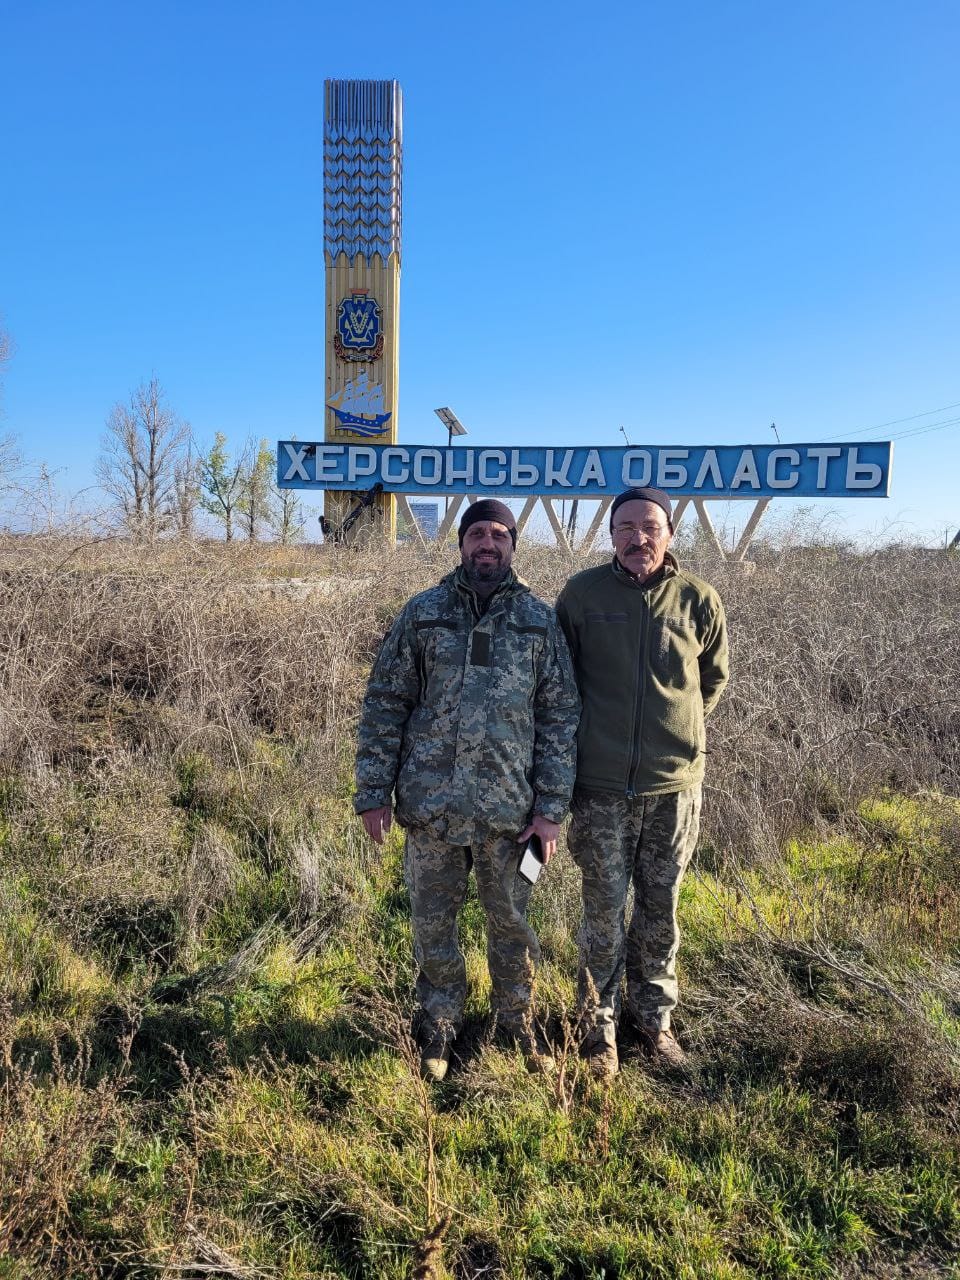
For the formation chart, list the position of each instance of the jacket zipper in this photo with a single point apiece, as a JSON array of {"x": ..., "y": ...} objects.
[{"x": 640, "y": 698}]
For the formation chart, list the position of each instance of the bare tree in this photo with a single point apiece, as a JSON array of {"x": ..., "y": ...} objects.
[
  {"x": 287, "y": 518},
  {"x": 144, "y": 444},
  {"x": 286, "y": 515},
  {"x": 5, "y": 347},
  {"x": 222, "y": 483},
  {"x": 11, "y": 459},
  {"x": 186, "y": 493}
]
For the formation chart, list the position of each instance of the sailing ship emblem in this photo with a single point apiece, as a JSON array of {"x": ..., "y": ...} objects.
[
  {"x": 359, "y": 334},
  {"x": 359, "y": 407}
]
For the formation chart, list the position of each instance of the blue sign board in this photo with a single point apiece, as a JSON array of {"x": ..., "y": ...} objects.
[{"x": 720, "y": 471}]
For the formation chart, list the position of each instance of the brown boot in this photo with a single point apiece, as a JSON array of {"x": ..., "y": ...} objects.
[
  {"x": 662, "y": 1047},
  {"x": 520, "y": 1033},
  {"x": 601, "y": 1057},
  {"x": 435, "y": 1048}
]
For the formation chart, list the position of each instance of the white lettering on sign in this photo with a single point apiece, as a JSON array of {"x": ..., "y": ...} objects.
[
  {"x": 709, "y": 467},
  {"x": 792, "y": 479},
  {"x": 522, "y": 472},
  {"x": 823, "y": 454},
  {"x": 671, "y": 473},
  {"x": 362, "y": 462},
  {"x": 497, "y": 477},
  {"x": 593, "y": 470},
  {"x": 422, "y": 457},
  {"x": 791, "y": 470},
  {"x": 402, "y": 474},
  {"x": 329, "y": 458},
  {"x": 464, "y": 473},
  {"x": 861, "y": 475},
  {"x": 296, "y": 454},
  {"x": 627, "y": 474},
  {"x": 558, "y": 475},
  {"x": 746, "y": 472}
]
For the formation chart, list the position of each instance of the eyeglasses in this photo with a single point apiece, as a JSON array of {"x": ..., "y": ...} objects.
[{"x": 654, "y": 531}]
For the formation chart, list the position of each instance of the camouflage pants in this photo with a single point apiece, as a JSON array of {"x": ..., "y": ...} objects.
[
  {"x": 648, "y": 840},
  {"x": 436, "y": 874}
]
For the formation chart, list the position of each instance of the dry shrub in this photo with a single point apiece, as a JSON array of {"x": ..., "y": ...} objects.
[
  {"x": 845, "y": 678},
  {"x": 786, "y": 1011},
  {"x": 212, "y": 874},
  {"x": 53, "y": 1129},
  {"x": 128, "y": 646},
  {"x": 845, "y": 667}
]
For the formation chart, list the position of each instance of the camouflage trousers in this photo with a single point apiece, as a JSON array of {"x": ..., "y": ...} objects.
[
  {"x": 436, "y": 874},
  {"x": 614, "y": 840}
]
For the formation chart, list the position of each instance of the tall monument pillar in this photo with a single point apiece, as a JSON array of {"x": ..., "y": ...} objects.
[{"x": 362, "y": 163}]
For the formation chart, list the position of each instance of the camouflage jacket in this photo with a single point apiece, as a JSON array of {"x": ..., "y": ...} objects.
[{"x": 470, "y": 717}]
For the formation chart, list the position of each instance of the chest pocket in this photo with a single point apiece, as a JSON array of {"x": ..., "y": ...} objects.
[
  {"x": 518, "y": 650},
  {"x": 440, "y": 654},
  {"x": 597, "y": 615},
  {"x": 674, "y": 646}
]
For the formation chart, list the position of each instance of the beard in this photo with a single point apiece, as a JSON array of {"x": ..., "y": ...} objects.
[{"x": 486, "y": 572}]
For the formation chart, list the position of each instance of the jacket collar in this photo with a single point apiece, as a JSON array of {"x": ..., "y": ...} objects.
[
  {"x": 511, "y": 585},
  {"x": 669, "y": 569}
]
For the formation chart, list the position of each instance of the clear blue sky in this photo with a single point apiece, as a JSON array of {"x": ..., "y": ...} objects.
[{"x": 744, "y": 212}]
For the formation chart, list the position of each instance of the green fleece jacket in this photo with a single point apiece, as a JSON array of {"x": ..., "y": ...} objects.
[{"x": 651, "y": 662}]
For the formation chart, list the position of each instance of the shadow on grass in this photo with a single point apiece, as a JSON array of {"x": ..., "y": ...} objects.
[
  {"x": 130, "y": 934},
  {"x": 163, "y": 1045},
  {"x": 479, "y": 1256}
]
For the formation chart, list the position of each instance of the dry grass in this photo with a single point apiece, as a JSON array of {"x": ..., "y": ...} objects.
[
  {"x": 205, "y": 970},
  {"x": 846, "y": 667}
]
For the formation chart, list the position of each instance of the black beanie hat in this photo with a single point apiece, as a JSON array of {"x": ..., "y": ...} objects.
[
  {"x": 487, "y": 509},
  {"x": 643, "y": 495}
]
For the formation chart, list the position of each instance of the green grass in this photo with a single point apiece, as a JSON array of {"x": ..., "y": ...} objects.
[{"x": 204, "y": 1049}]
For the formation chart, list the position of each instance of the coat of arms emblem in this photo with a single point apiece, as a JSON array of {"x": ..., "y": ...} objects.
[{"x": 359, "y": 334}]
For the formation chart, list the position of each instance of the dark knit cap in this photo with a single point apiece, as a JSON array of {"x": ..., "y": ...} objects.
[
  {"x": 643, "y": 495},
  {"x": 487, "y": 509}
]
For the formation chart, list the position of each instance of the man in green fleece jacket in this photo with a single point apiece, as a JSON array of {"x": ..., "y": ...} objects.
[{"x": 649, "y": 647}]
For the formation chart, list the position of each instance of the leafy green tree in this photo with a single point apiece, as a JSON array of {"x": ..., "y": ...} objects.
[
  {"x": 256, "y": 493},
  {"x": 222, "y": 483}
]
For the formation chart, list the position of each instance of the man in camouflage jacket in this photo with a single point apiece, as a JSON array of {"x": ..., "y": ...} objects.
[
  {"x": 469, "y": 721},
  {"x": 649, "y": 646}
]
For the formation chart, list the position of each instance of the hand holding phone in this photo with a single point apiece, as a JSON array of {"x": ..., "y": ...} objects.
[
  {"x": 547, "y": 832},
  {"x": 531, "y": 860}
]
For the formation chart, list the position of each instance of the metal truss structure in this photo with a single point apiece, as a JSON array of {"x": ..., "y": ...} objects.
[{"x": 735, "y": 554}]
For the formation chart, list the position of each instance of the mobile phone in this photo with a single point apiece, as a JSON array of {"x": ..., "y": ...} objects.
[{"x": 531, "y": 860}]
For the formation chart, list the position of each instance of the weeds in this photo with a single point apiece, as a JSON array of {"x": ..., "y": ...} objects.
[{"x": 205, "y": 969}]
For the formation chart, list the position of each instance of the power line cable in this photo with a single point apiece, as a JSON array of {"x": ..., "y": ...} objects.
[
  {"x": 895, "y": 422},
  {"x": 922, "y": 431}
]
